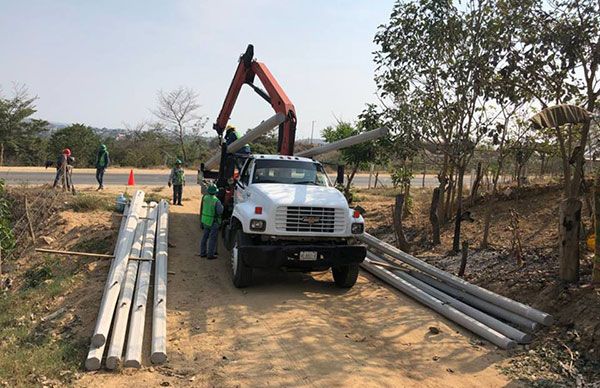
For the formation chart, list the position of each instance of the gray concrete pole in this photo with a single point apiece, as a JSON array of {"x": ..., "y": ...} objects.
[
  {"x": 344, "y": 143},
  {"x": 499, "y": 300}
]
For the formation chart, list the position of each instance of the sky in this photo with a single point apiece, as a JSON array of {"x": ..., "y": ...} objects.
[{"x": 102, "y": 62}]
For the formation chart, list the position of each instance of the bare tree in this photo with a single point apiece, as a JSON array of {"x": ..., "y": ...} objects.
[{"x": 178, "y": 112}]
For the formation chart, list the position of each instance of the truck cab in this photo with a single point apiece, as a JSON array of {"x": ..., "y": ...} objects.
[{"x": 286, "y": 214}]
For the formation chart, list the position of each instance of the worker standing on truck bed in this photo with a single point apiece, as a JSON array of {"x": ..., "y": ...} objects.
[
  {"x": 210, "y": 217},
  {"x": 177, "y": 180},
  {"x": 102, "y": 162}
]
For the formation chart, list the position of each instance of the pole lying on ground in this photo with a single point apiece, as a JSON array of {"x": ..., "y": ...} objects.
[
  {"x": 442, "y": 308},
  {"x": 94, "y": 357},
  {"x": 344, "y": 143},
  {"x": 158, "y": 353},
  {"x": 499, "y": 300},
  {"x": 487, "y": 320},
  {"x": 474, "y": 301},
  {"x": 249, "y": 137},
  {"x": 133, "y": 355},
  {"x": 119, "y": 328},
  {"x": 117, "y": 275}
]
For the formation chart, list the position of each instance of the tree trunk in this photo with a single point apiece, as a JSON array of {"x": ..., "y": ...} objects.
[
  {"x": 449, "y": 196},
  {"x": 463, "y": 259},
  {"x": 570, "y": 221},
  {"x": 1, "y": 154},
  {"x": 596, "y": 268},
  {"x": 402, "y": 243},
  {"x": 477, "y": 183},
  {"x": 486, "y": 227},
  {"x": 457, "y": 222},
  {"x": 350, "y": 178},
  {"x": 182, "y": 147},
  {"x": 433, "y": 216}
]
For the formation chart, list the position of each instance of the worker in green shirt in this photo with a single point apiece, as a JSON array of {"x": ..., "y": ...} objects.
[
  {"x": 210, "y": 217},
  {"x": 177, "y": 180}
]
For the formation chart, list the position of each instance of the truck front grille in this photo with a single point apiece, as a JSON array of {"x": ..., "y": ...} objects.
[{"x": 310, "y": 219}]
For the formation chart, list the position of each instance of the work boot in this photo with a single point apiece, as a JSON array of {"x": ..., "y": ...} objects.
[{"x": 211, "y": 257}]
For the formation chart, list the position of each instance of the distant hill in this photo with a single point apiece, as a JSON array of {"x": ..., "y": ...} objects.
[{"x": 102, "y": 132}]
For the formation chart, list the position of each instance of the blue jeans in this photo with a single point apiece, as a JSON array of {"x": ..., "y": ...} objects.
[
  {"x": 100, "y": 176},
  {"x": 209, "y": 238}
]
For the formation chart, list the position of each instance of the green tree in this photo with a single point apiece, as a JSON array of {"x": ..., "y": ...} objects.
[
  {"x": 80, "y": 139},
  {"x": 18, "y": 132},
  {"x": 355, "y": 157}
]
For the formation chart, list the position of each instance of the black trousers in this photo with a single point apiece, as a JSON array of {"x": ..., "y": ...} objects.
[{"x": 177, "y": 194}]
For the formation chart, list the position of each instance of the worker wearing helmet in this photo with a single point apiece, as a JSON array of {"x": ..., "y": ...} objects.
[
  {"x": 64, "y": 163},
  {"x": 102, "y": 162},
  {"x": 211, "y": 210},
  {"x": 177, "y": 180},
  {"x": 231, "y": 135}
]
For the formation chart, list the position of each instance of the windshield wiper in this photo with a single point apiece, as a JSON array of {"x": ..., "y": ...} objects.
[{"x": 306, "y": 183}]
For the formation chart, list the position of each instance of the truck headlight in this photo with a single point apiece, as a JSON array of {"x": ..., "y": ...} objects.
[
  {"x": 357, "y": 228},
  {"x": 258, "y": 225}
]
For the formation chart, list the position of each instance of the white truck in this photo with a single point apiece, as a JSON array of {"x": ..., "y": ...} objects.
[{"x": 286, "y": 214}]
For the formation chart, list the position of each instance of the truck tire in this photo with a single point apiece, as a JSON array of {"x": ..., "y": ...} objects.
[
  {"x": 241, "y": 273},
  {"x": 345, "y": 275}
]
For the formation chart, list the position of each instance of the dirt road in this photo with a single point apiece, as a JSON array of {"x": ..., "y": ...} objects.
[{"x": 292, "y": 329}]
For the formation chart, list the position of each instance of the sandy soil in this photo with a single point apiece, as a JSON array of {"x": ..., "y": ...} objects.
[{"x": 292, "y": 329}]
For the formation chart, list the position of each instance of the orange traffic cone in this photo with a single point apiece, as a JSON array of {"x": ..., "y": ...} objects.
[{"x": 131, "y": 181}]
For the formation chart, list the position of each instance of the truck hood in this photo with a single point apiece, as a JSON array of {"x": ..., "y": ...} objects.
[{"x": 300, "y": 195}]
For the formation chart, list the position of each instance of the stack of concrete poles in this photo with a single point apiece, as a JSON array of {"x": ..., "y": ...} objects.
[
  {"x": 500, "y": 320},
  {"x": 144, "y": 229}
]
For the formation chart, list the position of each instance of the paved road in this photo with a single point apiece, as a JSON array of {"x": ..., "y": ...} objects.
[{"x": 155, "y": 178}]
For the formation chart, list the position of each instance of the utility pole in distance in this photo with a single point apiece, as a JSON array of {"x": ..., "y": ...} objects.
[{"x": 312, "y": 131}]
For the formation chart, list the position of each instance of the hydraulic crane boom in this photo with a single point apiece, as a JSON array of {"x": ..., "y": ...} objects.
[{"x": 245, "y": 73}]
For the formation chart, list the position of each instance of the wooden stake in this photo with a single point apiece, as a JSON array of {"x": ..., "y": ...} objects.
[
  {"x": 463, "y": 258},
  {"x": 73, "y": 253},
  {"x": 31, "y": 232}
]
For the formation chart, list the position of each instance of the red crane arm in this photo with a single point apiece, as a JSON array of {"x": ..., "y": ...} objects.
[{"x": 245, "y": 73}]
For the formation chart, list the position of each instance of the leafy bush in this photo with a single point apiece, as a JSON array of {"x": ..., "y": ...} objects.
[
  {"x": 36, "y": 276},
  {"x": 7, "y": 238}
]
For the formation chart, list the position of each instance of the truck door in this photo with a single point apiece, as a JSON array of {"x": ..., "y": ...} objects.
[{"x": 241, "y": 187}]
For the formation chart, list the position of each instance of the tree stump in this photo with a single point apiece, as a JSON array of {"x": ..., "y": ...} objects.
[{"x": 568, "y": 232}]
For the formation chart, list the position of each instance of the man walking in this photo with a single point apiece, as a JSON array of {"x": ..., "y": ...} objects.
[
  {"x": 102, "y": 162},
  {"x": 177, "y": 180},
  {"x": 210, "y": 217}
]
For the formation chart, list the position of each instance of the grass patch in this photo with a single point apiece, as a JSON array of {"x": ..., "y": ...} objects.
[
  {"x": 88, "y": 203},
  {"x": 36, "y": 353},
  {"x": 93, "y": 245},
  {"x": 154, "y": 197}
]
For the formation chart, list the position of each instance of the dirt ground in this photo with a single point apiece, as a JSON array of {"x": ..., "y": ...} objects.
[{"x": 293, "y": 329}]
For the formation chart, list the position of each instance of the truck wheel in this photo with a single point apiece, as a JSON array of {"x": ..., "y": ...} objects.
[
  {"x": 242, "y": 274},
  {"x": 345, "y": 275}
]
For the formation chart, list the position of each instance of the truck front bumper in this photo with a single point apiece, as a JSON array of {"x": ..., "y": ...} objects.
[{"x": 288, "y": 256}]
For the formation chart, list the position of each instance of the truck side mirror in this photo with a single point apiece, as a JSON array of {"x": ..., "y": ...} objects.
[{"x": 340, "y": 175}]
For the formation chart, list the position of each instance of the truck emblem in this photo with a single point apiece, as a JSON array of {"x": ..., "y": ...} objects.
[{"x": 311, "y": 220}]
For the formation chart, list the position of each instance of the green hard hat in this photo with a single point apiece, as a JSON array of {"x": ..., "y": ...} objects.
[
  {"x": 103, "y": 146},
  {"x": 178, "y": 161},
  {"x": 212, "y": 190}
]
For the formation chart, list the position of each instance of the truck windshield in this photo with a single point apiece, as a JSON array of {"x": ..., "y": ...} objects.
[{"x": 292, "y": 172}]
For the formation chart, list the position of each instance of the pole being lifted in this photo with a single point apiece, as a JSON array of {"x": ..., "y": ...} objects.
[
  {"x": 249, "y": 137},
  {"x": 117, "y": 274},
  {"x": 345, "y": 143}
]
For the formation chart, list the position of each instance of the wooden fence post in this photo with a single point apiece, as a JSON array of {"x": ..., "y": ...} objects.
[{"x": 463, "y": 258}]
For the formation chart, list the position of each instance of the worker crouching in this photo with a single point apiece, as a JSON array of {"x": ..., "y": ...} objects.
[
  {"x": 177, "y": 180},
  {"x": 210, "y": 216}
]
